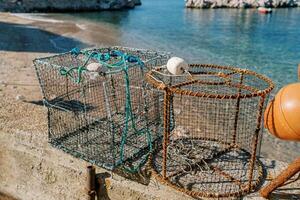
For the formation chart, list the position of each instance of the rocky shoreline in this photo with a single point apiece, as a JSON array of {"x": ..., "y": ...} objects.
[
  {"x": 241, "y": 3},
  {"x": 65, "y": 5}
]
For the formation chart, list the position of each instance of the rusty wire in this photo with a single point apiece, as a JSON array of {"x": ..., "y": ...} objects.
[{"x": 216, "y": 112}]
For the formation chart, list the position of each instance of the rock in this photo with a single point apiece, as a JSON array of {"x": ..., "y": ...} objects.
[
  {"x": 93, "y": 75},
  {"x": 65, "y": 5},
  {"x": 20, "y": 97},
  {"x": 241, "y": 3},
  {"x": 130, "y": 4},
  {"x": 180, "y": 132},
  {"x": 137, "y": 2}
]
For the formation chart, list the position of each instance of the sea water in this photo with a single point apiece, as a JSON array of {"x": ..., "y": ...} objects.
[{"x": 268, "y": 44}]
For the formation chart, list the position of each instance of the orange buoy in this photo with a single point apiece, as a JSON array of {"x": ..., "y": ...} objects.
[{"x": 282, "y": 115}]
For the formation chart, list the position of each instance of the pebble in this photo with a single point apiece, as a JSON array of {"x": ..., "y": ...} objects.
[
  {"x": 93, "y": 75},
  {"x": 20, "y": 97},
  {"x": 3, "y": 83},
  {"x": 177, "y": 111}
]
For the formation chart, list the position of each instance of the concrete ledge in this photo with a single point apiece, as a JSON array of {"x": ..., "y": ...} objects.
[{"x": 32, "y": 169}]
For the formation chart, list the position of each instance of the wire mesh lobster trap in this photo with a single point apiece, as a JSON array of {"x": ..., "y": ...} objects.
[
  {"x": 108, "y": 117},
  {"x": 211, "y": 148}
]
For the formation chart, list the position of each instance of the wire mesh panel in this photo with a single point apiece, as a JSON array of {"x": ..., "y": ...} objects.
[
  {"x": 107, "y": 116},
  {"x": 217, "y": 118}
]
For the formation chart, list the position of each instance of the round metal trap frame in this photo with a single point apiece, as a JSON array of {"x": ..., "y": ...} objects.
[{"x": 212, "y": 129}]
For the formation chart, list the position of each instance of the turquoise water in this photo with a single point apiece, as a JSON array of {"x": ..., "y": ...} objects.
[{"x": 269, "y": 44}]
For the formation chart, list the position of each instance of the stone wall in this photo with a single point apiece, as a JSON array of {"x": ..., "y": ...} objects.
[
  {"x": 241, "y": 3},
  {"x": 65, "y": 5}
]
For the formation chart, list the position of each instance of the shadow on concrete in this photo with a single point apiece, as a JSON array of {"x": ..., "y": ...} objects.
[
  {"x": 38, "y": 103},
  {"x": 18, "y": 37},
  {"x": 65, "y": 105},
  {"x": 142, "y": 177},
  {"x": 103, "y": 183},
  {"x": 6, "y": 197},
  {"x": 284, "y": 196},
  {"x": 265, "y": 169}
]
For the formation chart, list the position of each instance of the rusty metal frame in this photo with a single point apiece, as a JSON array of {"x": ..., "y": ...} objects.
[{"x": 253, "y": 92}]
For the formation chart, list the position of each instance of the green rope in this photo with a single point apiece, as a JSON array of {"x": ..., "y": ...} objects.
[
  {"x": 122, "y": 66},
  {"x": 79, "y": 70},
  {"x": 129, "y": 116}
]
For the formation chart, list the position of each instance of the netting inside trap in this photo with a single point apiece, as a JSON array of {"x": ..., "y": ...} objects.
[
  {"x": 109, "y": 117},
  {"x": 217, "y": 115}
]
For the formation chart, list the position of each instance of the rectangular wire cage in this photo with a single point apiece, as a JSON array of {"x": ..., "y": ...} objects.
[{"x": 108, "y": 117}]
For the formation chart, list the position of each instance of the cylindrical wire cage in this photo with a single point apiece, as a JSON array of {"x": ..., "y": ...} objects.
[{"x": 212, "y": 126}]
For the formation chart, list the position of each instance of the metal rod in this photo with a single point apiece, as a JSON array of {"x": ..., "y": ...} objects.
[
  {"x": 226, "y": 175},
  {"x": 166, "y": 131},
  {"x": 91, "y": 182},
  {"x": 255, "y": 140},
  {"x": 237, "y": 110},
  {"x": 109, "y": 114},
  {"x": 100, "y": 188},
  {"x": 282, "y": 178}
]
